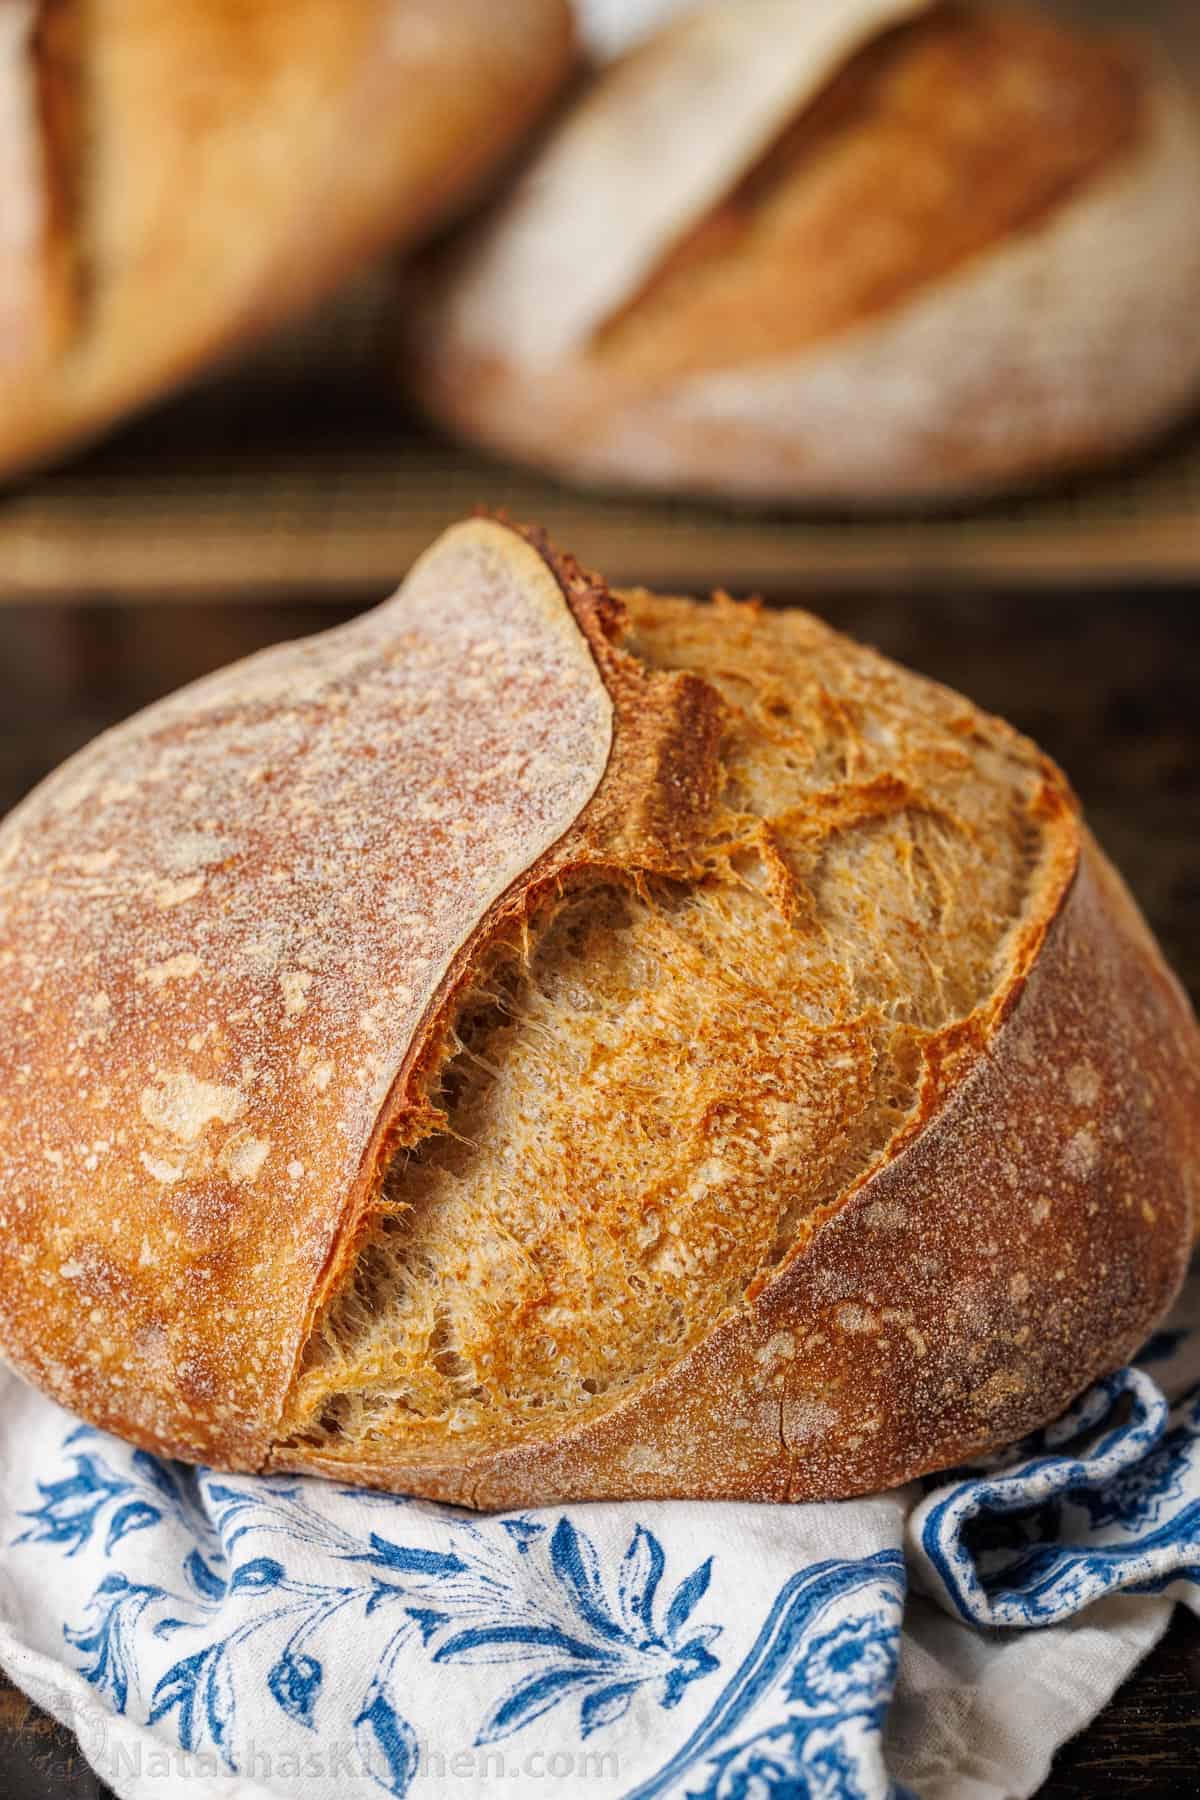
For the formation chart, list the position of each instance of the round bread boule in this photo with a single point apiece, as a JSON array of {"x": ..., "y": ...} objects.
[
  {"x": 532, "y": 1043},
  {"x": 890, "y": 252}
]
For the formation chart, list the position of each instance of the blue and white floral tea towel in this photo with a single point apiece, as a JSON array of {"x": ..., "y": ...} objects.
[{"x": 282, "y": 1639}]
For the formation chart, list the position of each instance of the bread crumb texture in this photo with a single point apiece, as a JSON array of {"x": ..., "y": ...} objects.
[{"x": 653, "y": 1093}]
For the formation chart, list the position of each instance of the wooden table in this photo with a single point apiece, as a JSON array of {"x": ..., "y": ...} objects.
[{"x": 1109, "y": 683}]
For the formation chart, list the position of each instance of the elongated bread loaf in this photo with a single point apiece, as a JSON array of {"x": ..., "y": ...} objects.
[
  {"x": 176, "y": 175},
  {"x": 530, "y": 1042},
  {"x": 851, "y": 250}
]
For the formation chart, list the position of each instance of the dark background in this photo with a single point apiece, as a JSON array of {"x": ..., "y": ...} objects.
[{"x": 1108, "y": 681}]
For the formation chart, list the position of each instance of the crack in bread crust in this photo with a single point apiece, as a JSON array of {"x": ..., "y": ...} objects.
[
  {"x": 654, "y": 1089},
  {"x": 865, "y": 1132},
  {"x": 1019, "y": 1240}
]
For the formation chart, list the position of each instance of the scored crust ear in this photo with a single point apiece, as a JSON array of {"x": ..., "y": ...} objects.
[
  {"x": 228, "y": 928},
  {"x": 1017, "y": 1241},
  {"x": 574, "y": 1294}
]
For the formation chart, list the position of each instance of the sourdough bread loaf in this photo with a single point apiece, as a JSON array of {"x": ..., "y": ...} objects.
[
  {"x": 532, "y": 1042},
  {"x": 875, "y": 251},
  {"x": 179, "y": 174}
]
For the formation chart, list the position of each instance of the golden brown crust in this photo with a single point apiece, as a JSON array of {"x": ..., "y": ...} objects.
[
  {"x": 234, "y": 934},
  {"x": 1024, "y": 1240},
  {"x": 660, "y": 777},
  {"x": 655, "y": 1085},
  {"x": 229, "y": 931},
  {"x": 237, "y": 161}
]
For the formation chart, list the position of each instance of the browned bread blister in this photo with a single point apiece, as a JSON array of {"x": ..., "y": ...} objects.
[{"x": 534, "y": 1042}]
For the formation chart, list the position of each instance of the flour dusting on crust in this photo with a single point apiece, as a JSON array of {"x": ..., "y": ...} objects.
[{"x": 232, "y": 912}]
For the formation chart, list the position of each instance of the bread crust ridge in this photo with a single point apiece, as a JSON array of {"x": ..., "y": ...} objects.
[{"x": 965, "y": 1289}]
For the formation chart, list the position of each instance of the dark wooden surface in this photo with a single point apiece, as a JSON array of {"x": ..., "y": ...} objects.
[{"x": 1108, "y": 682}]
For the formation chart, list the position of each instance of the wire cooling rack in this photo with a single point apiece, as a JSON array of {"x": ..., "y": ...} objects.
[{"x": 299, "y": 474}]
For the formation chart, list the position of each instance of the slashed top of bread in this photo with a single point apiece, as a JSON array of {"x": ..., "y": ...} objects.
[
  {"x": 221, "y": 927},
  {"x": 816, "y": 165},
  {"x": 421, "y": 1037},
  {"x": 699, "y": 104},
  {"x": 944, "y": 137},
  {"x": 654, "y": 1089}
]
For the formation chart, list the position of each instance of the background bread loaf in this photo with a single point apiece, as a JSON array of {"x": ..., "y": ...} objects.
[
  {"x": 184, "y": 173},
  {"x": 38, "y": 156},
  {"x": 890, "y": 252}
]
